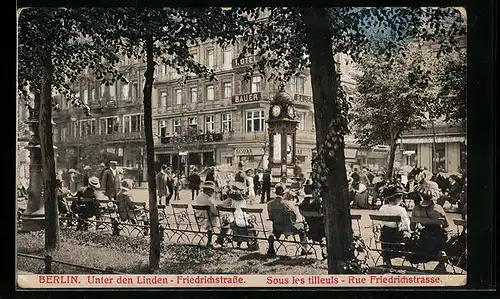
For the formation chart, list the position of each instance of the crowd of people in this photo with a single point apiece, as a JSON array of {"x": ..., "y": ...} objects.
[{"x": 453, "y": 187}]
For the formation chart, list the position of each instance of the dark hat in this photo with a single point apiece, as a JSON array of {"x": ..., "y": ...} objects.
[
  {"x": 164, "y": 167},
  {"x": 279, "y": 189},
  {"x": 454, "y": 177},
  {"x": 391, "y": 191}
]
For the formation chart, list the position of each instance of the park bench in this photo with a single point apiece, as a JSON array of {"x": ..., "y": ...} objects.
[
  {"x": 377, "y": 245},
  {"x": 224, "y": 214},
  {"x": 204, "y": 216},
  {"x": 182, "y": 223}
]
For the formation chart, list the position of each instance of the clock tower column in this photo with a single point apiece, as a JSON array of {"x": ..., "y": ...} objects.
[{"x": 282, "y": 127}]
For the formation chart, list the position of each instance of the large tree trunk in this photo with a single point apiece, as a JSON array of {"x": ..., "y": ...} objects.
[
  {"x": 154, "y": 249},
  {"x": 338, "y": 226},
  {"x": 48, "y": 162}
]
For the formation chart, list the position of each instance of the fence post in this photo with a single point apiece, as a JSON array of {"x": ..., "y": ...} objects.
[
  {"x": 48, "y": 264},
  {"x": 114, "y": 225},
  {"x": 209, "y": 236},
  {"x": 270, "y": 250}
]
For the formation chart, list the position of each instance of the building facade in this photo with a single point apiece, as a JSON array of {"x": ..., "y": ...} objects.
[
  {"x": 115, "y": 130},
  {"x": 223, "y": 122},
  {"x": 448, "y": 143}
]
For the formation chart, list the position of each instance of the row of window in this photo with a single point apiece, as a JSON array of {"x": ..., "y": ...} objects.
[
  {"x": 104, "y": 126},
  {"x": 255, "y": 121},
  {"x": 296, "y": 86}
]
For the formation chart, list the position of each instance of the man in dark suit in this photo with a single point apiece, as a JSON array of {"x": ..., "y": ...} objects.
[
  {"x": 111, "y": 181},
  {"x": 266, "y": 187},
  {"x": 162, "y": 184}
]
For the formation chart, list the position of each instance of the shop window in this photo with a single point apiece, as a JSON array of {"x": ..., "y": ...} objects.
[{"x": 440, "y": 156}]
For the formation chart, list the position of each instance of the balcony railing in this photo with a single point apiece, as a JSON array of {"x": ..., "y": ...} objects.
[
  {"x": 211, "y": 137},
  {"x": 108, "y": 137}
]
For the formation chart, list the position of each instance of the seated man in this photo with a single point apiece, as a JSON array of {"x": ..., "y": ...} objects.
[
  {"x": 452, "y": 194},
  {"x": 207, "y": 198},
  {"x": 316, "y": 230},
  {"x": 283, "y": 214},
  {"x": 124, "y": 201},
  {"x": 87, "y": 205},
  {"x": 393, "y": 233}
]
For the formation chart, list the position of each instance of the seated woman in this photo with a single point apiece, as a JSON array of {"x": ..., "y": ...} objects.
[
  {"x": 239, "y": 221},
  {"x": 360, "y": 196},
  {"x": 392, "y": 234},
  {"x": 433, "y": 237}
]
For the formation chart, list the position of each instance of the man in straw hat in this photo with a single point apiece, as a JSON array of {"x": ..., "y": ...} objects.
[
  {"x": 284, "y": 215},
  {"x": 111, "y": 180},
  {"x": 207, "y": 198},
  {"x": 87, "y": 204}
]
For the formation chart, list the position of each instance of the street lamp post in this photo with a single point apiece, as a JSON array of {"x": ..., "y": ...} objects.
[
  {"x": 74, "y": 119},
  {"x": 33, "y": 218}
]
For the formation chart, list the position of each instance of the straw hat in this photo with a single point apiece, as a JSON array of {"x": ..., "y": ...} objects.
[
  {"x": 392, "y": 191},
  {"x": 87, "y": 168},
  {"x": 429, "y": 190},
  {"x": 71, "y": 171},
  {"x": 94, "y": 182},
  {"x": 113, "y": 163}
]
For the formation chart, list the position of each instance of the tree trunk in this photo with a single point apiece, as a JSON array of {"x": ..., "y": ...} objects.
[
  {"x": 154, "y": 249},
  {"x": 329, "y": 135},
  {"x": 392, "y": 156},
  {"x": 48, "y": 163}
]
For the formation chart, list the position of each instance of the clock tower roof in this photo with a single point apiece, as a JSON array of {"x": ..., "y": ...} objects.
[{"x": 282, "y": 97}]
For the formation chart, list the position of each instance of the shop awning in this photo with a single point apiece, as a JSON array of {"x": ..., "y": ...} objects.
[
  {"x": 439, "y": 139},
  {"x": 350, "y": 153}
]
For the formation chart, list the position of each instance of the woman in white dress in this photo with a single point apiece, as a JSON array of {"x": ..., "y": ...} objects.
[{"x": 249, "y": 186}]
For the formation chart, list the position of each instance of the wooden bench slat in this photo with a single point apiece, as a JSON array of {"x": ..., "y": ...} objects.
[
  {"x": 311, "y": 213},
  {"x": 356, "y": 217},
  {"x": 426, "y": 220},
  {"x": 252, "y": 210},
  {"x": 201, "y": 207},
  {"x": 460, "y": 222},
  {"x": 179, "y": 205},
  {"x": 225, "y": 209},
  {"x": 385, "y": 218},
  {"x": 139, "y": 203}
]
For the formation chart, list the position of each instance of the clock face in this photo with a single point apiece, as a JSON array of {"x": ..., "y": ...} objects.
[
  {"x": 276, "y": 110},
  {"x": 291, "y": 112}
]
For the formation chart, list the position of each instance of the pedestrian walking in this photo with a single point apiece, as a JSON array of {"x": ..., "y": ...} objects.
[
  {"x": 177, "y": 185},
  {"x": 266, "y": 187},
  {"x": 111, "y": 180},
  {"x": 194, "y": 182},
  {"x": 257, "y": 184},
  {"x": 250, "y": 186},
  {"x": 86, "y": 175},
  {"x": 170, "y": 184},
  {"x": 161, "y": 184},
  {"x": 73, "y": 180}
]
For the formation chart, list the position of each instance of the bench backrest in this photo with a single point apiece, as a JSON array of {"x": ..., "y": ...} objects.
[
  {"x": 255, "y": 218},
  {"x": 427, "y": 220},
  {"x": 385, "y": 218},
  {"x": 204, "y": 214},
  {"x": 181, "y": 215}
]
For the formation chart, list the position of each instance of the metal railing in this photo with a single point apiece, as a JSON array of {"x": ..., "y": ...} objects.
[{"x": 48, "y": 261}]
